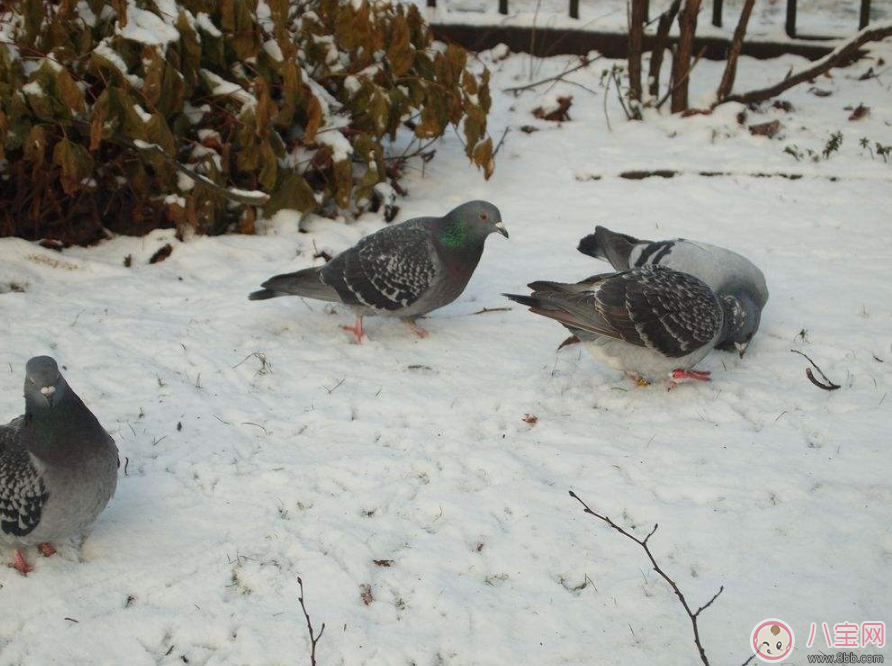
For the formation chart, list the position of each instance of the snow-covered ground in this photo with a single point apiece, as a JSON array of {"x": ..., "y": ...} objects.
[{"x": 262, "y": 443}]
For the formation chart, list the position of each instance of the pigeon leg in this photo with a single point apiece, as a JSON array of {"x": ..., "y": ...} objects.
[
  {"x": 20, "y": 565},
  {"x": 572, "y": 340},
  {"x": 356, "y": 330},
  {"x": 698, "y": 375},
  {"x": 416, "y": 329},
  {"x": 46, "y": 549}
]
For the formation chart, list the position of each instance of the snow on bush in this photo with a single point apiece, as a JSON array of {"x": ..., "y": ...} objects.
[{"x": 274, "y": 102}]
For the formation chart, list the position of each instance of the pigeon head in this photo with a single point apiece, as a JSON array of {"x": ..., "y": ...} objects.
[
  {"x": 44, "y": 384},
  {"x": 742, "y": 318},
  {"x": 469, "y": 224}
]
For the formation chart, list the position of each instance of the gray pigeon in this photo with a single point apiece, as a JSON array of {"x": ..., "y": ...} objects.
[
  {"x": 405, "y": 270},
  {"x": 58, "y": 466},
  {"x": 651, "y": 322},
  {"x": 726, "y": 272}
]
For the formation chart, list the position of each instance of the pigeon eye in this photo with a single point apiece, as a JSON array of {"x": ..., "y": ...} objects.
[{"x": 484, "y": 217}]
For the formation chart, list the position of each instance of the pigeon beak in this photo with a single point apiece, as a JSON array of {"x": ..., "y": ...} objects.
[
  {"x": 48, "y": 392},
  {"x": 741, "y": 347},
  {"x": 500, "y": 227}
]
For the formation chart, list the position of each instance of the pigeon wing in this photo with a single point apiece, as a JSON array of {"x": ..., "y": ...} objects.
[
  {"x": 387, "y": 270},
  {"x": 671, "y": 312},
  {"x": 22, "y": 491}
]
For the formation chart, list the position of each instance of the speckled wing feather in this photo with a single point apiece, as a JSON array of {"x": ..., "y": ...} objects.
[
  {"x": 22, "y": 492},
  {"x": 388, "y": 270},
  {"x": 671, "y": 312},
  {"x": 655, "y": 307}
]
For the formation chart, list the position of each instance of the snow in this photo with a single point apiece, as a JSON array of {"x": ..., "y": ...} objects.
[
  {"x": 341, "y": 148},
  {"x": 262, "y": 444},
  {"x": 144, "y": 115},
  {"x": 224, "y": 88},
  {"x": 205, "y": 23},
  {"x": 271, "y": 46},
  {"x": 147, "y": 27},
  {"x": 104, "y": 51},
  {"x": 251, "y": 194},
  {"x": 33, "y": 88},
  {"x": 85, "y": 13}
]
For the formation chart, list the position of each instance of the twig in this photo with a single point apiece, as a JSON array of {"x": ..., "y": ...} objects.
[
  {"x": 619, "y": 95},
  {"x": 692, "y": 615},
  {"x": 606, "y": 90},
  {"x": 485, "y": 310},
  {"x": 829, "y": 386},
  {"x": 501, "y": 141},
  {"x": 839, "y": 55},
  {"x": 335, "y": 387},
  {"x": 585, "y": 63},
  {"x": 313, "y": 637}
]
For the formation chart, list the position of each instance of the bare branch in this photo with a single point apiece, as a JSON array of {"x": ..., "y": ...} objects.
[
  {"x": 313, "y": 637},
  {"x": 692, "y": 615},
  {"x": 840, "y": 55},
  {"x": 728, "y": 77},
  {"x": 585, "y": 63},
  {"x": 829, "y": 386}
]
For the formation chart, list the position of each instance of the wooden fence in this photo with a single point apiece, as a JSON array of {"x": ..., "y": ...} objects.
[{"x": 717, "y": 6}]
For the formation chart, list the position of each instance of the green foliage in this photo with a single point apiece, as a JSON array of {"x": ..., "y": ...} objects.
[{"x": 295, "y": 100}]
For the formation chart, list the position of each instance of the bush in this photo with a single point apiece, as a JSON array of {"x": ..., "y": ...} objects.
[{"x": 109, "y": 110}]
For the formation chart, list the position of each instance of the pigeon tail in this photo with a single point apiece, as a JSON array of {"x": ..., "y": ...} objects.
[
  {"x": 263, "y": 294},
  {"x": 610, "y": 246},
  {"x": 307, "y": 282}
]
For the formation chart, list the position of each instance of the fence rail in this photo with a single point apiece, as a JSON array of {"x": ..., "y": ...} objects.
[{"x": 717, "y": 7}]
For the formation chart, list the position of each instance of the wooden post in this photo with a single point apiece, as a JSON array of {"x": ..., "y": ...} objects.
[
  {"x": 727, "y": 83},
  {"x": 574, "y": 9},
  {"x": 503, "y": 7},
  {"x": 667, "y": 18},
  {"x": 717, "y": 13},
  {"x": 647, "y": 11},
  {"x": 681, "y": 63},
  {"x": 636, "y": 43},
  {"x": 791, "y": 18},
  {"x": 865, "y": 14}
]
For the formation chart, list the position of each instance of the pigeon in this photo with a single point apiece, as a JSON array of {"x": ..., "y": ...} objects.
[
  {"x": 650, "y": 322},
  {"x": 727, "y": 273},
  {"x": 58, "y": 466},
  {"x": 405, "y": 270}
]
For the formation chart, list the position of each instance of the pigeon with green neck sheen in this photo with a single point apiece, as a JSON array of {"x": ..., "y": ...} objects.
[
  {"x": 58, "y": 466},
  {"x": 406, "y": 270}
]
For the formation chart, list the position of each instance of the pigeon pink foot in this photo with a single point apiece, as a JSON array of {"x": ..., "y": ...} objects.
[
  {"x": 356, "y": 330},
  {"x": 20, "y": 565}
]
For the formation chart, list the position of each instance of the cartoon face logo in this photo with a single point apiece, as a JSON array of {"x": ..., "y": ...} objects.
[{"x": 772, "y": 640}]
